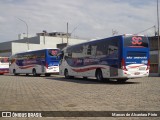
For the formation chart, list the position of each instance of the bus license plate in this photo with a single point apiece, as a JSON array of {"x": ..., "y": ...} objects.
[
  {"x": 142, "y": 68},
  {"x": 136, "y": 73}
]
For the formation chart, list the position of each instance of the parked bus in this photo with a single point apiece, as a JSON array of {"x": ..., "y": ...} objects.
[
  {"x": 119, "y": 57},
  {"x": 4, "y": 65},
  {"x": 36, "y": 62}
]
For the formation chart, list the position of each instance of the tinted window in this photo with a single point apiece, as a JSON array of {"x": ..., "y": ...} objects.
[
  {"x": 107, "y": 47},
  {"x": 4, "y": 60},
  {"x": 53, "y": 52},
  {"x": 135, "y": 41}
]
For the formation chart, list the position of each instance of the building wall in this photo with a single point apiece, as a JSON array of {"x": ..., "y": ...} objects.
[
  {"x": 154, "y": 56},
  {"x": 48, "y": 41},
  {"x": 45, "y": 42},
  {"x": 34, "y": 40},
  {"x": 153, "y": 61},
  {"x": 5, "y": 49},
  {"x": 23, "y": 47}
]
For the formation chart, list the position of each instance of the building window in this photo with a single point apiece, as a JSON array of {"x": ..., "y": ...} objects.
[{"x": 153, "y": 68}]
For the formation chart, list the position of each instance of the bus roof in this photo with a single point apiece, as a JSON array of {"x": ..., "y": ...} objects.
[
  {"x": 133, "y": 35},
  {"x": 36, "y": 50},
  {"x": 90, "y": 41}
]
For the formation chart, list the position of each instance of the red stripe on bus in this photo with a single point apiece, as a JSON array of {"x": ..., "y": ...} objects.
[
  {"x": 135, "y": 66},
  {"x": 25, "y": 67},
  {"x": 137, "y": 46},
  {"x": 86, "y": 69}
]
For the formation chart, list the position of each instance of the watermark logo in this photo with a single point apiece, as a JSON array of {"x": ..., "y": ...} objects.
[{"x": 6, "y": 114}]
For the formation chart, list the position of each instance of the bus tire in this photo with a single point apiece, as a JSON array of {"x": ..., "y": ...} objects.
[
  {"x": 121, "y": 80},
  {"x": 66, "y": 75},
  {"x": 38, "y": 75},
  {"x": 85, "y": 78},
  {"x": 99, "y": 75},
  {"x": 14, "y": 72},
  {"x": 34, "y": 72},
  {"x": 47, "y": 74}
]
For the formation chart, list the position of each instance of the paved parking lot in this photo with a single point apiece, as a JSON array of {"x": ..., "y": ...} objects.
[{"x": 21, "y": 93}]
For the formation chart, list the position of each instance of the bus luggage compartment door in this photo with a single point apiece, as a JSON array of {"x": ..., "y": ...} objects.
[
  {"x": 113, "y": 70},
  {"x": 42, "y": 66}
]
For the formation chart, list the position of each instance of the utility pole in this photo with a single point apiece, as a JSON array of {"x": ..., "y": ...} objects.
[
  {"x": 27, "y": 31},
  {"x": 146, "y": 30},
  {"x": 44, "y": 33},
  {"x": 158, "y": 39},
  {"x": 67, "y": 33},
  {"x": 74, "y": 29}
]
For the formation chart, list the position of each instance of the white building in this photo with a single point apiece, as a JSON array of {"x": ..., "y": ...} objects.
[{"x": 42, "y": 40}]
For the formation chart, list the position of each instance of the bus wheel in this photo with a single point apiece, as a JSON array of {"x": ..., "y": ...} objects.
[
  {"x": 14, "y": 72},
  {"x": 34, "y": 72},
  {"x": 85, "y": 78},
  {"x": 121, "y": 80},
  {"x": 99, "y": 75},
  {"x": 47, "y": 74},
  {"x": 66, "y": 74},
  {"x": 38, "y": 75}
]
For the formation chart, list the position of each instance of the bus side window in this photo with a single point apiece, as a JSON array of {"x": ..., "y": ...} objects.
[{"x": 89, "y": 50}]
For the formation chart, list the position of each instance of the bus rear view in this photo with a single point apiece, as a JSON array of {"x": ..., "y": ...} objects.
[
  {"x": 119, "y": 57},
  {"x": 135, "y": 57}
]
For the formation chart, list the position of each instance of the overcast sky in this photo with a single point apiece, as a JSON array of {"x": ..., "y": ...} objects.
[{"x": 89, "y": 18}]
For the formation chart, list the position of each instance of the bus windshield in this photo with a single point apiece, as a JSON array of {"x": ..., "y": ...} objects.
[
  {"x": 4, "y": 60},
  {"x": 53, "y": 52},
  {"x": 136, "y": 41}
]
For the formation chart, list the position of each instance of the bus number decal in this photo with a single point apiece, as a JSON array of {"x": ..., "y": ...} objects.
[
  {"x": 54, "y": 52},
  {"x": 136, "y": 40}
]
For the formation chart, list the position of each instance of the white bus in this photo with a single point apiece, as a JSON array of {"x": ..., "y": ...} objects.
[
  {"x": 36, "y": 62},
  {"x": 4, "y": 65},
  {"x": 119, "y": 57}
]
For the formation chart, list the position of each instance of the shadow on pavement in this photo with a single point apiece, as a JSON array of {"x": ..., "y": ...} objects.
[
  {"x": 90, "y": 81},
  {"x": 78, "y": 80}
]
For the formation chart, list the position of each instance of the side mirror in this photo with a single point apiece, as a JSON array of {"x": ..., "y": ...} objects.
[{"x": 61, "y": 54}]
